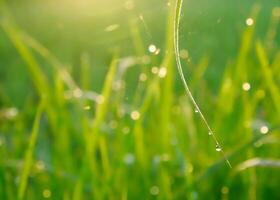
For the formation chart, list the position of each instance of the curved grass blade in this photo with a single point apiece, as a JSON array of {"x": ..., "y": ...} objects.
[{"x": 177, "y": 17}]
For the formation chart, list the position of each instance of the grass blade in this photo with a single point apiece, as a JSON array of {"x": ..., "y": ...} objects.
[
  {"x": 28, "y": 160},
  {"x": 180, "y": 70}
]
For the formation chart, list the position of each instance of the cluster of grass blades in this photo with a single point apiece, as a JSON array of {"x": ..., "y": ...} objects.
[{"x": 81, "y": 144}]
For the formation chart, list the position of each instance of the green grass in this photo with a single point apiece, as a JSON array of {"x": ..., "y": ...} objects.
[{"x": 108, "y": 125}]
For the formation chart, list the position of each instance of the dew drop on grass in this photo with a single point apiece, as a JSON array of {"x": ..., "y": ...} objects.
[
  {"x": 143, "y": 77},
  {"x": 154, "y": 190},
  {"x": 196, "y": 111},
  {"x": 47, "y": 193},
  {"x": 86, "y": 107},
  {"x": 249, "y": 21},
  {"x": 129, "y": 159},
  {"x": 154, "y": 70},
  {"x": 218, "y": 147},
  {"x": 135, "y": 115},
  {"x": 264, "y": 129},
  {"x": 210, "y": 133},
  {"x": 246, "y": 86},
  {"x": 162, "y": 72},
  {"x": 152, "y": 48},
  {"x": 126, "y": 130}
]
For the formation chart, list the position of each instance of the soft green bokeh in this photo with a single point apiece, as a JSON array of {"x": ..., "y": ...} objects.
[{"x": 88, "y": 112}]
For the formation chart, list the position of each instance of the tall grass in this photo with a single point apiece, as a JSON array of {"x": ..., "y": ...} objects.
[{"x": 139, "y": 136}]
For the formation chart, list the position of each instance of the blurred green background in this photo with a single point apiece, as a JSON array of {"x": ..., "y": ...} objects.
[{"x": 92, "y": 106}]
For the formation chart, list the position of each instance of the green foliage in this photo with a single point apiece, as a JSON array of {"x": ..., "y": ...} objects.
[{"x": 116, "y": 124}]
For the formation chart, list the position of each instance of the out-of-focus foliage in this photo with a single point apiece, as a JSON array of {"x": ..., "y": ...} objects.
[{"x": 92, "y": 107}]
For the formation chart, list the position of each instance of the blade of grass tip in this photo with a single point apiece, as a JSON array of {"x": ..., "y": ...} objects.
[
  {"x": 28, "y": 160},
  {"x": 258, "y": 162},
  {"x": 177, "y": 17}
]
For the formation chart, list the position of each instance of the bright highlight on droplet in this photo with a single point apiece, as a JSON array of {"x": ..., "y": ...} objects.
[
  {"x": 86, "y": 107},
  {"x": 162, "y": 72},
  {"x": 246, "y": 86},
  {"x": 47, "y": 193},
  {"x": 154, "y": 190},
  {"x": 129, "y": 159},
  {"x": 135, "y": 115},
  {"x": 218, "y": 148},
  {"x": 249, "y": 21},
  {"x": 264, "y": 129},
  {"x": 152, "y": 48},
  {"x": 143, "y": 77},
  {"x": 154, "y": 70},
  {"x": 126, "y": 130},
  {"x": 196, "y": 111},
  {"x": 111, "y": 28}
]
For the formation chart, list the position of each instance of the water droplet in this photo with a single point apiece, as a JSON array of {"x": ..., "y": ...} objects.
[
  {"x": 249, "y": 21},
  {"x": 143, "y": 77},
  {"x": 152, "y": 48},
  {"x": 135, "y": 115},
  {"x": 47, "y": 193},
  {"x": 154, "y": 190},
  {"x": 162, "y": 72},
  {"x": 129, "y": 159},
  {"x": 264, "y": 129},
  {"x": 126, "y": 130},
  {"x": 218, "y": 147},
  {"x": 154, "y": 70},
  {"x": 246, "y": 86},
  {"x": 111, "y": 28},
  {"x": 87, "y": 107},
  {"x": 196, "y": 111},
  {"x": 210, "y": 133}
]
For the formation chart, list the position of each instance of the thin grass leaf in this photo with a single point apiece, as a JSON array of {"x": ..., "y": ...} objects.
[
  {"x": 28, "y": 160},
  {"x": 268, "y": 75},
  {"x": 181, "y": 73},
  {"x": 258, "y": 162}
]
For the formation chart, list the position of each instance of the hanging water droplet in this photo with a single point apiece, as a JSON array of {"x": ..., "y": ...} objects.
[
  {"x": 218, "y": 147},
  {"x": 196, "y": 111},
  {"x": 210, "y": 133}
]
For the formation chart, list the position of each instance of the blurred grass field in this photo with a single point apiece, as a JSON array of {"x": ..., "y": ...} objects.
[{"x": 92, "y": 106}]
